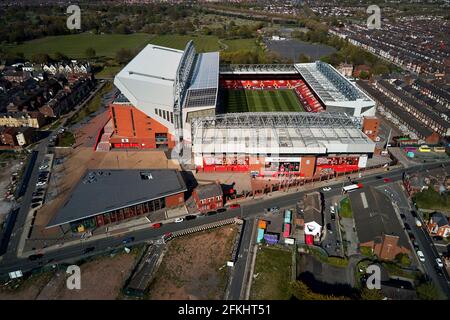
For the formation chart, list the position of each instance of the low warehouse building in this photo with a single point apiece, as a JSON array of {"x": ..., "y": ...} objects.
[{"x": 106, "y": 196}]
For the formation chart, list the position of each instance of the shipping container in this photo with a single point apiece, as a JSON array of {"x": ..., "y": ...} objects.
[
  {"x": 262, "y": 224},
  {"x": 286, "y": 230},
  {"x": 271, "y": 238},
  {"x": 260, "y": 235}
]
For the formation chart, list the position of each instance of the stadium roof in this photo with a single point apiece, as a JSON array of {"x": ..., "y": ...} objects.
[
  {"x": 206, "y": 71},
  {"x": 332, "y": 87},
  {"x": 148, "y": 79},
  {"x": 101, "y": 191},
  {"x": 279, "y": 133}
]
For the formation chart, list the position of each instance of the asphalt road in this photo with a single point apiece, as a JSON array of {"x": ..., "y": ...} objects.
[
  {"x": 240, "y": 265},
  {"x": 422, "y": 238},
  {"x": 76, "y": 252}
]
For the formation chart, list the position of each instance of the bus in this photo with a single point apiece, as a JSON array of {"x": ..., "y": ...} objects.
[
  {"x": 424, "y": 148},
  {"x": 352, "y": 187},
  {"x": 439, "y": 149}
]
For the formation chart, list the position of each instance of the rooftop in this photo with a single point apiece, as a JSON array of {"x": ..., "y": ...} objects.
[
  {"x": 101, "y": 191},
  {"x": 206, "y": 72},
  {"x": 377, "y": 219}
]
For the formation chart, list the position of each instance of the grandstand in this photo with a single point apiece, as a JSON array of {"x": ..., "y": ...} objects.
[{"x": 171, "y": 95}]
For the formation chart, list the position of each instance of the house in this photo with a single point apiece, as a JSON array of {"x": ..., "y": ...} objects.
[
  {"x": 377, "y": 224},
  {"x": 16, "y": 136},
  {"x": 414, "y": 183},
  {"x": 208, "y": 197},
  {"x": 439, "y": 225},
  {"x": 312, "y": 216},
  {"x": 346, "y": 69}
]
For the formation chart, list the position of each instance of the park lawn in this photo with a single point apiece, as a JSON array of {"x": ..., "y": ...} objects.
[
  {"x": 261, "y": 101},
  {"x": 202, "y": 43},
  {"x": 240, "y": 44},
  {"x": 346, "y": 209},
  {"x": 108, "y": 72},
  {"x": 74, "y": 46},
  {"x": 273, "y": 274},
  {"x": 67, "y": 139}
]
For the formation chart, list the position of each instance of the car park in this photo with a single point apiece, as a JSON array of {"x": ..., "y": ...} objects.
[
  {"x": 439, "y": 263},
  {"x": 421, "y": 256},
  {"x": 178, "y": 220}
]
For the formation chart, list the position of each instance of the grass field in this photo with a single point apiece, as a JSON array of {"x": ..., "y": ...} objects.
[
  {"x": 75, "y": 46},
  {"x": 261, "y": 101},
  {"x": 202, "y": 43},
  {"x": 240, "y": 44}
]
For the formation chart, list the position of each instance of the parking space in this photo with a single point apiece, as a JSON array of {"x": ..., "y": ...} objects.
[
  {"x": 40, "y": 190},
  {"x": 331, "y": 240}
]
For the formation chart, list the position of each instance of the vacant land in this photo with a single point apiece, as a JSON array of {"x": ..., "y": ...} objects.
[
  {"x": 75, "y": 46},
  {"x": 194, "y": 267},
  {"x": 431, "y": 199},
  {"x": 346, "y": 210},
  {"x": 272, "y": 274},
  {"x": 261, "y": 101},
  {"x": 96, "y": 284}
]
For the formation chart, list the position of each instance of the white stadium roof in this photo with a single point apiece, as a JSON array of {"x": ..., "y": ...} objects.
[
  {"x": 147, "y": 80},
  {"x": 336, "y": 92},
  {"x": 279, "y": 133}
]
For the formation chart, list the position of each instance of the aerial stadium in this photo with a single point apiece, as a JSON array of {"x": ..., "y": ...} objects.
[{"x": 270, "y": 119}]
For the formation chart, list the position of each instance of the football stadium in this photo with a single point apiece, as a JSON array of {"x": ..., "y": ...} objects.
[{"x": 268, "y": 119}]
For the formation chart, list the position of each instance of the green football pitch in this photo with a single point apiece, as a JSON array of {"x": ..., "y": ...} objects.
[{"x": 261, "y": 101}]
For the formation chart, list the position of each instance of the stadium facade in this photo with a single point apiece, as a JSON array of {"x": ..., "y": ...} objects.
[{"x": 271, "y": 119}]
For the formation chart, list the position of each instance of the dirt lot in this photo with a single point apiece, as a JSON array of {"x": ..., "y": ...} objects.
[
  {"x": 96, "y": 284},
  {"x": 194, "y": 267}
]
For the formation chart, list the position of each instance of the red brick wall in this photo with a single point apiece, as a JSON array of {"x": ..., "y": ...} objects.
[
  {"x": 132, "y": 124},
  {"x": 306, "y": 168},
  {"x": 175, "y": 200}
]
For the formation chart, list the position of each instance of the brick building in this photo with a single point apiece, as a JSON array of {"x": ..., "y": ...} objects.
[
  {"x": 439, "y": 225},
  {"x": 208, "y": 197}
]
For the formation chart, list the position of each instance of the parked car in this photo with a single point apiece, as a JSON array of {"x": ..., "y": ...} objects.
[
  {"x": 43, "y": 167},
  {"x": 273, "y": 209},
  {"x": 156, "y": 225},
  {"x": 221, "y": 210},
  {"x": 418, "y": 223},
  {"x": 421, "y": 256},
  {"x": 190, "y": 217},
  {"x": 34, "y": 257},
  {"x": 333, "y": 216},
  {"x": 387, "y": 180},
  {"x": 210, "y": 213},
  {"x": 411, "y": 236},
  {"x": 235, "y": 206},
  {"x": 178, "y": 220},
  {"x": 437, "y": 238},
  {"x": 402, "y": 216},
  {"x": 438, "y": 271},
  {"x": 326, "y": 189},
  {"x": 407, "y": 227},
  {"x": 35, "y": 205},
  {"x": 329, "y": 226},
  {"x": 439, "y": 263},
  {"x": 128, "y": 240},
  {"x": 87, "y": 250},
  {"x": 414, "y": 214},
  {"x": 41, "y": 183}
]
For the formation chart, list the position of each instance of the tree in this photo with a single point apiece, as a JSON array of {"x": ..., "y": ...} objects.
[
  {"x": 40, "y": 58},
  {"x": 427, "y": 291},
  {"x": 403, "y": 259},
  {"x": 303, "y": 58},
  {"x": 60, "y": 56},
  {"x": 90, "y": 53},
  {"x": 302, "y": 292},
  {"x": 371, "y": 294},
  {"x": 363, "y": 75},
  {"x": 124, "y": 55}
]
